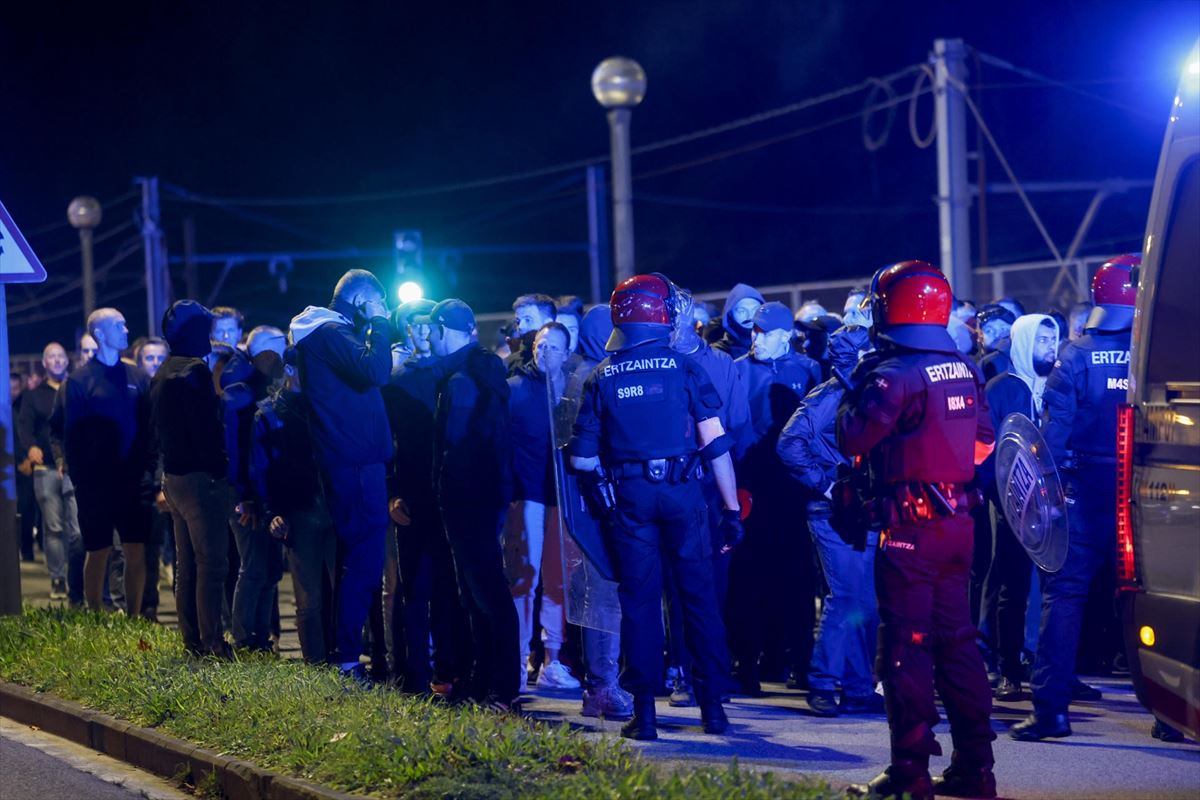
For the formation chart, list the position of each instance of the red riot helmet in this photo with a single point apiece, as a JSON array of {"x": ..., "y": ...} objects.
[
  {"x": 910, "y": 304},
  {"x": 643, "y": 307},
  {"x": 1114, "y": 291}
]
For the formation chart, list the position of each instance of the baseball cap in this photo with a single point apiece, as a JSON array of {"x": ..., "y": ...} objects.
[
  {"x": 994, "y": 311},
  {"x": 453, "y": 313},
  {"x": 773, "y": 317},
  {"x": 186, "y": 327}
]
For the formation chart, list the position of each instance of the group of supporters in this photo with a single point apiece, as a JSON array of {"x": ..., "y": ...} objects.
[{"x": 412, "y": 480}]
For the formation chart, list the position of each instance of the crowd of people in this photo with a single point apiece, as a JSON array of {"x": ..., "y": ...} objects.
[{"x": 413, "y": 482}]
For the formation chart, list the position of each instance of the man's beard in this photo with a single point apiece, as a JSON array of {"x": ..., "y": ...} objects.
[{"x": 1043, "y": 368}]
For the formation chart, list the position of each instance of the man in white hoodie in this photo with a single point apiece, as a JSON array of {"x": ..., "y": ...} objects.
[{"x": 1006, "y": 589}]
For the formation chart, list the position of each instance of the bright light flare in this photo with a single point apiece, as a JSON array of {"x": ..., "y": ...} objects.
[
  {"x": 410, "y": 291},
  {"x": 1193, "y": 68}
]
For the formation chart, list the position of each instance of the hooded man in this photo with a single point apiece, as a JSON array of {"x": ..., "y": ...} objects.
[
  {"x": 1088, "y": 383},
  {"x": 344, "y": 357},
  {"x": 737, "y": 320},
  {"x": 771, "y": 580},
  {"x": 187, "y": 419},
  {"x": 1006, "y": 589}
]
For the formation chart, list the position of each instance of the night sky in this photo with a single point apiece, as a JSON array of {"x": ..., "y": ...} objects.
[{"x": 320, "y": 100}]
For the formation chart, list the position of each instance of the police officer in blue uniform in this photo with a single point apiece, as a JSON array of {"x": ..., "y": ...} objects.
[
  {"x": 919, "y": 419},
  {"x": 1080, "y": 427},
  {"x": 649, "y": 418}
]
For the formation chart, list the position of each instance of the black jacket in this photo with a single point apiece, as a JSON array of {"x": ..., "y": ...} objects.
[
  {"x": 283, "y": 466},
  {"x": 529, "y": 409},
  {"x": 33, "y": 420},
  {"x": 186, "y": 415},
  {"x": 410, "y": 399},
  {"x": 101, "y": 423},
  {"x": 471, "y": 455},
  {"x": 342, "y": 369},
  {"x": 1006, "y": 394}
]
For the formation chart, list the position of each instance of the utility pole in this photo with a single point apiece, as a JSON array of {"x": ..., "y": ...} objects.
[
  {"x": 152, "y": 247},
  {"x": 954, "y": 227},
  {"x": 597, "y": 235}
]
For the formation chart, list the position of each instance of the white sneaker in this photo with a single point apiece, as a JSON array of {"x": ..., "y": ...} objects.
[{"x": 556, "y": 676}]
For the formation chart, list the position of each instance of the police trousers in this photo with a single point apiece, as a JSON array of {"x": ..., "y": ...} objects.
[
  {"x": 1091, "y": 496},
  {"x": 656, "y": 523},
  {"x": 926, "y": 639}
]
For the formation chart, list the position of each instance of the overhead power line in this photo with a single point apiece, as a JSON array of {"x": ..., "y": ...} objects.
[
  {"x": 554, "y": 169},
  {"x": 1064, "y": 85}
]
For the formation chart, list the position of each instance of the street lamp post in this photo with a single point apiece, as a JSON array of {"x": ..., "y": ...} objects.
[
  {"x": 84, "y": 214},
  {"x": 619, "y": 84}
]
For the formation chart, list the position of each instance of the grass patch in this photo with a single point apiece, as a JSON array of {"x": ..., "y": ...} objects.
[{"x": 311, "y": 723}]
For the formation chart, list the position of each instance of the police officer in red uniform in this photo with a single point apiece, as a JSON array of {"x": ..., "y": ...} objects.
[
  {"x": 919, "y": 418},
  {"x": 1080, "y": 426},
  {"x": 649, "y": 418}
]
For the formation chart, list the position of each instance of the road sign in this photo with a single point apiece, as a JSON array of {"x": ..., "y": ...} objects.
[{"x": 18, "y": 264}]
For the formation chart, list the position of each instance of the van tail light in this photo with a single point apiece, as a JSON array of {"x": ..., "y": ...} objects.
[{"x": 1126, "y": 557}]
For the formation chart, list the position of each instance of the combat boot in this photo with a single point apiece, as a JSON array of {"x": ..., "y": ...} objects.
[
  {"x": 712, "y": 714},
  {"x": 898, "y": 780},
  {"x": 1037, "y": 727},
  {"x": 962, "y": 779},
  {"x": 644, "y": 725}
]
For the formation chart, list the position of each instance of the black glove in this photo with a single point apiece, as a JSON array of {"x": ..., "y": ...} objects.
[{"x": 731, "y": 529}]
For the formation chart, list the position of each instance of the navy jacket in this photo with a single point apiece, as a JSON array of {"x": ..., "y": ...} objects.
[
  {"x": 341, "y": 370},
  {"x": 1079, "y": 407},
  {"x": 773, "y": 390},
  {"x": 529, "y": 408},
  {"x": 471, "y": 453},
  {"x": 808, "y": 442}
]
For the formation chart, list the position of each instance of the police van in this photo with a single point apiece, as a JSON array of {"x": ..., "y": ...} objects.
[{"x": 1158, "y": 436}]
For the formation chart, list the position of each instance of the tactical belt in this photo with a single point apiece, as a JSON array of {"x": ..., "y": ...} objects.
[
  {"x": 916, "y": 501},
  {"x": 676, "y": 469}
]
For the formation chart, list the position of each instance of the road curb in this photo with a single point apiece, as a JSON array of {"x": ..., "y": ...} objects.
[{"x": 152, "y": 751}]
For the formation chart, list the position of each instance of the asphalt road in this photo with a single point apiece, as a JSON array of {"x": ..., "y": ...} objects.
[
  {"x": 1111, "y": 754},
  {"x": 37, "y": 766}
]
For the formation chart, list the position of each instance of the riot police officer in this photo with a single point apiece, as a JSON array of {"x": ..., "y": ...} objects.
[
  {"x": 1080, "y": 427},
  {"x": 649, "y": 417},
  {"x": 918, "y": 417}
]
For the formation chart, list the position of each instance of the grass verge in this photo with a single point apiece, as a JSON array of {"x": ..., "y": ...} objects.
[{"x": 309, "y": 722}]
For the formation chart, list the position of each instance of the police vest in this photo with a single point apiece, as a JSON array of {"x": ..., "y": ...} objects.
[
  {"x": 644, "y": 397},
  {"x": 1103, "y": 359},
  {"x": 934, "y": 439}
]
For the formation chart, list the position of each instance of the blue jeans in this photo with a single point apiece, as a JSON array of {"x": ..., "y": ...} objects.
[
  {"x": 358, "y": 505},
  {"x": 849, "y": 614},
  {"x": 312, "y": 559},
  {"x": 261, "y": 567},
  {"x": 60, "y": 528}
]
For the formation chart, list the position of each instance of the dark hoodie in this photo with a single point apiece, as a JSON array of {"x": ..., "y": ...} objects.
[
  {"x": 343, "y": 364},
  {"x": 471, "y": 454},
  {"x": 594, "y": 330},
  {"x": 736, "y": 341},
  {"x": 184, "y": 408}
]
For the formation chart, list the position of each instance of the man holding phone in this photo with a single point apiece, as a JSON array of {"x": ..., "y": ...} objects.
[{"x": 344, "y": 358}]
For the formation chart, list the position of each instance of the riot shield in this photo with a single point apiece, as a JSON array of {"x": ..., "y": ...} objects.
[
  {"x": 589, "y": 591},
  {"x": 1031, "y": 494}
]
